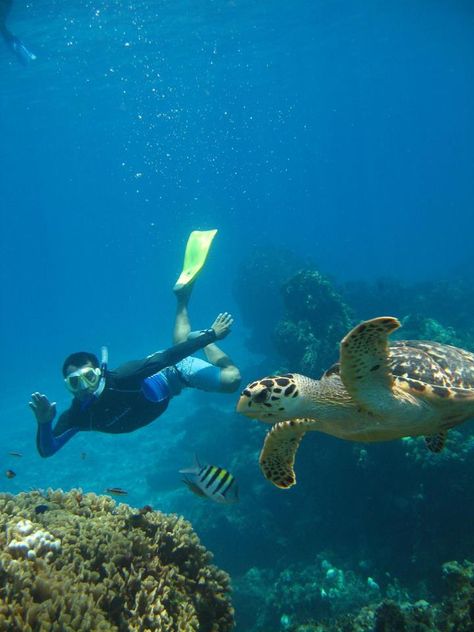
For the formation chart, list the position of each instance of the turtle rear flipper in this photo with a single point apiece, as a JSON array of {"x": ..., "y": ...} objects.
[
  {"x": 365, "y": 369},
  {"x": 435, "y": 443},
  {"x": 278, "y": 454}
]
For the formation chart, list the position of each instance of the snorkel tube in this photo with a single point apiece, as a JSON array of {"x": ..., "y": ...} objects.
[{"x": 104, "y": 359}]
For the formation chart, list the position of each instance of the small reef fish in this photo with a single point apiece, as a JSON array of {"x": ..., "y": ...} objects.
[
  {"x": 41, "y": 509},
  {"x": 213, "y": 482},
  {"x": 15, "y": 453},
  {"x": 10, "y": 474},
  {"x": 116, "y": 491}
]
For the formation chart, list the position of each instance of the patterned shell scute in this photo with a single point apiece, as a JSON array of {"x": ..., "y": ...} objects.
[
  {"x": 432, "y": 363},
  {"x": 428, "y": 362}
]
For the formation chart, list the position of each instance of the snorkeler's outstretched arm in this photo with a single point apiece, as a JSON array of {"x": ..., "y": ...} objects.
[
  {"x": 219, "y": 329},
  {"x": 47, "y": 441},
  {"x": 141, "y": 369}
]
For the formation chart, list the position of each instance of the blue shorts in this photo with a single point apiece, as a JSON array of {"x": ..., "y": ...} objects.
[
  {"x": 190, "y": 372},
  {"x": 198, "y": 373}
]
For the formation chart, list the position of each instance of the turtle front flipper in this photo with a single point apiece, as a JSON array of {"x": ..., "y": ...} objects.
[
  {"x": 364, "y": 359},
  {"x": 279, "y": 450}
]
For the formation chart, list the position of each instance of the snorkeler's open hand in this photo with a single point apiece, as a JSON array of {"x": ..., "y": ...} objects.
[
  {"x": 43, "y": 410},
  {"x": 222, "y": 325}
]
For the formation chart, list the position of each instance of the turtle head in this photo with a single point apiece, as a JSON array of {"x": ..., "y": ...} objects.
[{"x": 271, "y": 399}]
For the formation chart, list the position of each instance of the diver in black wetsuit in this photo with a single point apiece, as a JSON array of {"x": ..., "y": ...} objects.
[
  {"x": 136, "y": 393},
  {"x": 13, "y": 42}
]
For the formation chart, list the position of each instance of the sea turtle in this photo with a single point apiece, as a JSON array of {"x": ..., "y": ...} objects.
[{"x": 376, "y": 392}]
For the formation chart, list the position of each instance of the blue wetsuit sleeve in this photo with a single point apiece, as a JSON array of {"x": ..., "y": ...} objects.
[{"x": 47, "y": 443}]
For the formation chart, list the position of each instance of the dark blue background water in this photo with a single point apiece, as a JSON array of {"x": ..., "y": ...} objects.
[{"x": 340, "y": 130}]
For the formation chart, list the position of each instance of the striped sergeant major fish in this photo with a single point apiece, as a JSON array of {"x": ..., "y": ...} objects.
[{"x": 211, "y": 481}]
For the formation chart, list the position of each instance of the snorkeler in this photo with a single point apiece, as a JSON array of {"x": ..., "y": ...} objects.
[
  {"x": 13, "y": 42},
  {"x": 136, "y": 393}
]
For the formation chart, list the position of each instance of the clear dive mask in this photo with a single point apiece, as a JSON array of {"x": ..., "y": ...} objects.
[
  {"x": 84, "y": 378},
  {"x": 89, "y": 378}
]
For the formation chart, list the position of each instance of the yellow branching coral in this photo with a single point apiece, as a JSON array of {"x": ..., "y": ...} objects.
[{"x": 83, "y": 563}]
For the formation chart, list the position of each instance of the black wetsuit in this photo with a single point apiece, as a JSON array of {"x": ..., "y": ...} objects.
[{"x": 122, "y": 406}]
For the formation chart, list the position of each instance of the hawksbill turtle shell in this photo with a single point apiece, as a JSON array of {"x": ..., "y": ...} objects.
[{"x": 376, "y": 392}]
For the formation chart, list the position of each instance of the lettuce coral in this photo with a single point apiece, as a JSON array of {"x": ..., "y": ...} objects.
[{"x": 87, "y": 563}]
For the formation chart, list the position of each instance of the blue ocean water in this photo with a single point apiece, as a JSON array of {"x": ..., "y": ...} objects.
[{"x": 340, "y": 132}]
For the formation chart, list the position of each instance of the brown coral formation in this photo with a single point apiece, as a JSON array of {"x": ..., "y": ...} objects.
[{"x": 88, "y": 564}]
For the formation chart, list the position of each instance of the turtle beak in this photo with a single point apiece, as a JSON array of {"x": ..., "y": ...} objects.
[
  {"x": 249, "y": 398},
  {"x": 244, "y": 403}
]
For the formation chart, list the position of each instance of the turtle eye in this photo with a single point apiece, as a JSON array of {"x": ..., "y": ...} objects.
[{"x": 261, "y": 395}]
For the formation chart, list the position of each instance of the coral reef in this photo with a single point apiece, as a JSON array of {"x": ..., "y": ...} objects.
[
  {"x": 418, "y": 327},
  {"x": 315, "y": 321},
  {"x": 88, "y": 564},
  {"x": 318, "y": 313},
  {"x": 438, "y": 310},
  {"x": 383, "y": 514},
  {"x": 320, "y": 597},
  {"x": 319, "y": 589},
  {"x": 454, "y": 613},
  {"x": 394, "y": 507}
]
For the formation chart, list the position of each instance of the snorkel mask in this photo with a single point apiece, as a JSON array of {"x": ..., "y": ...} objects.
[{"x": 88, "y": 378}]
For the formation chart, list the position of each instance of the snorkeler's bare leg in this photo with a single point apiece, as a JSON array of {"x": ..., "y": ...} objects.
[
  {"x": 182, "y": 326},
  {"x": 230, "y": 374}
]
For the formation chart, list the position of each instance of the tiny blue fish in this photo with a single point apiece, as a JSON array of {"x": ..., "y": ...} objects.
[
  {"x": 40, "y": 509},
  {"x": 211, "y": 481}
]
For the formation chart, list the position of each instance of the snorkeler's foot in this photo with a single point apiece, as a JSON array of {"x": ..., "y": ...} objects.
[{"x": 183, "y": 291}]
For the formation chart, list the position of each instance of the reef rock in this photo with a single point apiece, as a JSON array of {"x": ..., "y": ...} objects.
[
  {"x": 256, "y": 289},
  {"x": 316, "y": 319}
]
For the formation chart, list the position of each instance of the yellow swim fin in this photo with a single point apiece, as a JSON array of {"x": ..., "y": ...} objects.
[{"x": 197, "y": 249}]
